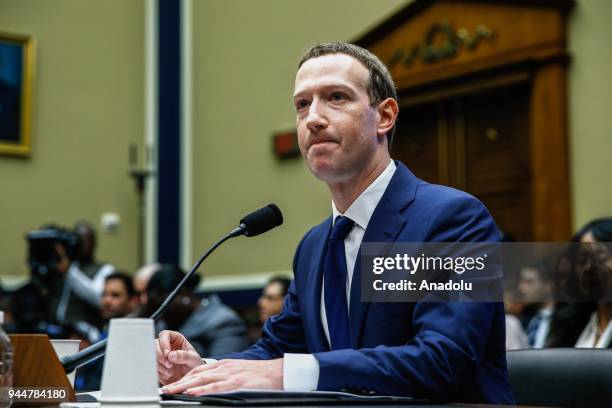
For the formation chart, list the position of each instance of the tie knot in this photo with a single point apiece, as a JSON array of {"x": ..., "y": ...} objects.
[{"x": 342, "y": 227}]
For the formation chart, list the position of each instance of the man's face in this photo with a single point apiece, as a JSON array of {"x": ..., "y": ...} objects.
[
  {"x": 140, "y": 286},
  {"x": 337, "y": 128},
  {"x": 115, "y": 300},
  {"x": 532, "y": 287},
  {"x": 271, "y": 301},
  {"x": 594, "y": 268}
]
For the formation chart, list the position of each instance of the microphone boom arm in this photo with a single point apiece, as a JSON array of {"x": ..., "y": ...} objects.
[{"x": 98, "y": 349}]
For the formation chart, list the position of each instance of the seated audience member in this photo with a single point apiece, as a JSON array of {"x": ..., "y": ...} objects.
[
  {"x": 594, "y": 273},
  {"x": 535, "y": 291},
  {"x": 119, "y": 298},
  {"x": 209, "y": 325},
  {"x": 271, "y": 301},
  {"x": 515, "y": 333},
  {"x": 140, "y": 281},
  {"x": 269, "y": 304},
  {"x": 516, "y": 338},
  {"x": 569, "y": 316}
]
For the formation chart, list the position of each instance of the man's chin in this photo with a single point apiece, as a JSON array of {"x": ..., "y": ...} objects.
[
  {"x": 325, "y": 175},
  {"x": 324, "y": 170}
]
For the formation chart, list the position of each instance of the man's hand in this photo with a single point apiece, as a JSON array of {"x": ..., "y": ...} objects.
[
  {"x": 175, "y": 356},
  {"x": 230, "y": 375}
]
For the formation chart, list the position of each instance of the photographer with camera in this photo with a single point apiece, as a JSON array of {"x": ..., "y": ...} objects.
[
  {"x": 83, "y": 278},
  {"x": 66, "y": 282}
]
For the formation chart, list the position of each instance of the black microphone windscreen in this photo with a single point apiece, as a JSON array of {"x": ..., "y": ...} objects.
[{"x": 262, "y": 220}]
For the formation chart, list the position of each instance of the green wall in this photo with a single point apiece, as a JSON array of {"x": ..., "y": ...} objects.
[
  {"x": 245, "y": 58},
  {"x": 590, "y": 109},
  {"x": 88, "y": 108}
]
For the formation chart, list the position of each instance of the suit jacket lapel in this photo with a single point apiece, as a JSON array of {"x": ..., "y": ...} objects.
[
  {"x": 384, "y": 226},
  {"x": 315, "y": 275}
]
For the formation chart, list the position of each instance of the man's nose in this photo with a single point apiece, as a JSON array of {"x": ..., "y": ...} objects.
[{"x": 316, "y": 119}]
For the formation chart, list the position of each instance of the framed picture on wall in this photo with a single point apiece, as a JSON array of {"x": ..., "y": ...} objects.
[{"x": 17, "y": 53}]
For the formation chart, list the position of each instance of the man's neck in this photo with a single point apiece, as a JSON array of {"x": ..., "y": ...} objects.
[
  {"x": 548, "y": 305},
  {"x": 346, "y": 192}
]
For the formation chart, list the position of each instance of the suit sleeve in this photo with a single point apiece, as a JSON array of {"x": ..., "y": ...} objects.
[{"x": 450, "y": 338}]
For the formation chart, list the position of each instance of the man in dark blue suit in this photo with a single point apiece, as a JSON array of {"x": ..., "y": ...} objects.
[{"x": 326, "y": 338}]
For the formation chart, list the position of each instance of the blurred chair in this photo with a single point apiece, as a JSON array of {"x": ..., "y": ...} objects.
[{"x": 561, "y": 377}]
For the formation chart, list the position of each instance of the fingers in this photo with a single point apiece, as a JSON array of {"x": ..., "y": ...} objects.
[
  {"x": 165, "y": 339},
  {"x": 161, "y": 358},
  {"x": 212, "y": 388},
  {"x": 175, "y": 356},
  {"x": 191, "y": 381},
  {"x": 227, "y": 375},
  {"x": 164, "y": 375},
  {"x": 189, "y": 358}
]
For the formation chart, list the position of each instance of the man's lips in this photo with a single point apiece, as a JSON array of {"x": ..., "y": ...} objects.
[{"x": 321, "y": 142}]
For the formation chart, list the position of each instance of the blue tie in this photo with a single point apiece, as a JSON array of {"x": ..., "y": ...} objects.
[
  {"x": 532, "y": 328},
  {"x": 334, "y": 273}
]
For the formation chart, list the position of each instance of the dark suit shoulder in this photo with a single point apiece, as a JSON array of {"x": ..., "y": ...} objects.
[
  {"x": 453, "y": 215},
  {"x": 442, "y": 194}
]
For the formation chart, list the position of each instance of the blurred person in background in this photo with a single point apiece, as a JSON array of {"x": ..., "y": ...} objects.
[
  {"x": 594, "y": 272},
  {"x": 269, "y": 304},
  {"x": 119, "y": 298},
  {"x": 271, "y": 301},
  {"x": 140, "y": 281},
  {"x": 65, "y": 283},
  {"x": 83, "y": 279},
  {"x": 574, "y": 321},
  {"x": 210, "y": 326},
  {"x": 535, "y": 291},
  {"x": 516, "y": 338}
]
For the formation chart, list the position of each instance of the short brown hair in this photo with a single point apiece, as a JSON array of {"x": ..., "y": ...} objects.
[{"x": 381, "y": 84}]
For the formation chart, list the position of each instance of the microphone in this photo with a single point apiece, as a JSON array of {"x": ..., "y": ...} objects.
[
  {"x": 260, "y": 221},
  {"x": 253, "y": 224}
]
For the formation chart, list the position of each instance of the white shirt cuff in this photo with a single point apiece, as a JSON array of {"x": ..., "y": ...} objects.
[{"x": 300, "y": 372}]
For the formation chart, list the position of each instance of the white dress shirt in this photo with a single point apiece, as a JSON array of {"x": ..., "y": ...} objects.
[
  {"x": 544, "y": 327},
  {"x": 516, "y": 338},
  {"x": 301, "y": 371},
  {"x": 589, "y": 334}
]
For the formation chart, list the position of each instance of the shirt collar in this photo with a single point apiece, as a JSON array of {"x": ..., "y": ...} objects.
[{"x": 363, "y": 207}]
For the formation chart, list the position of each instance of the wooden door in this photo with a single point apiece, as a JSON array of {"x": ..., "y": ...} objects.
[{"x": 478, "y": 143}]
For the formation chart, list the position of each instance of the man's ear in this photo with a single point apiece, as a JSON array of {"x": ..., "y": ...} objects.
[
  {"x": 133, "y": 302},
  {"x": 387, "y": 112}
]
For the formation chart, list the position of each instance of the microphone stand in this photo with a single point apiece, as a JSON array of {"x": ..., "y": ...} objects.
[{"x": 94, "y": 351}]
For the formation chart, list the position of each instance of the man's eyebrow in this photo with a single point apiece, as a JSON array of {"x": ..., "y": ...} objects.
[
  {"x": 326, "y": 87},
  {"x": 298, "y": 94}
]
